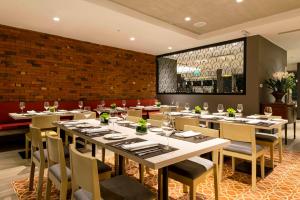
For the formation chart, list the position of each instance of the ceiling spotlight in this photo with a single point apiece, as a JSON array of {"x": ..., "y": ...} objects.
[
  {"x": 132, "y": 38},
  {"x": 170, "y": 48},
  {"x": 187, "y": 19},
  {"x": 239, "y": 1},
  {"x": 56, "y": 19}
]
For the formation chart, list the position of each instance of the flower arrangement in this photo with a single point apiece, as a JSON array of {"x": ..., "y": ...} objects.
[
  {"x": 197, "y": 109},
  {"x": 104, "y": 118},
  {"x": 142, "y": 126},
  {"x": 231, "y": 112},
  {"x": 113, "y": 106}
]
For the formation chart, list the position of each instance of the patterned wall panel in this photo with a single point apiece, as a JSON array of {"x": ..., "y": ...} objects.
[{"x": 167, "y": 75}]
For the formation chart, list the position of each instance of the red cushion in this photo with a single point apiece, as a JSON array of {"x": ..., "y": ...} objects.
[{"x": 11, "y": 126}]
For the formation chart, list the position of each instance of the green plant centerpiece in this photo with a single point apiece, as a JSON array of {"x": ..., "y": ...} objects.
[
  {"x": 198, "y": 109},
  {"x": 113, "y": 106},
  {"x": 141, "y": 129},
  {"x": 231, "y": 112},
  {"x": 104, "y": 118},
  {"x": 158, "y": 104},
  {"x": 280, "y": 83},
  {"x": 52, "y": 109}
]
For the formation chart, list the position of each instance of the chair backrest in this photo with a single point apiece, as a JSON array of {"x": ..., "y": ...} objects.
[
  {"x": 135, "y": 113},
  {"x": 156, "y": 116},
  {"x": 56, "y": 154},
  {"x": 181, "y": 121},
  {"x": 205, "y": 131},
  {"x": 165, "y": 109},
  {"x": 237, "y": 132},
  {"x": 37, "y": 142},
  {"x": 133, "y": 119},
  {"x": 79, "y": 116},
  {"x": 44, "y": 122},
  {"x": 84, "y": 173},
  {"x": 156, "y": 123}
]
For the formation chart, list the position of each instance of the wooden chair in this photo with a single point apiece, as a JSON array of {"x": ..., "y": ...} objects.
[
  {"x": 165, "y": 109},
  {"x": 157, "y": 116},
  {"x": 79, "y": 116},
  {"x": 85, "y": 183},
  {"x": 181, "y": 121},
  {"x": 58, "y": 173},
  {"x": 156, "y": 123},
  {"x": 135, "y": 113},
  {"x": 45, "y": 124},
  {"x": 194, "y": 170},
  {"x": 133, "y": 119},
  {"x": 243, "y": 145},
  {"x": 38, "y": 158}
]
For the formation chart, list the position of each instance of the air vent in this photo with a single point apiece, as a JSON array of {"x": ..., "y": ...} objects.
[{"x": 291, "y": 31}]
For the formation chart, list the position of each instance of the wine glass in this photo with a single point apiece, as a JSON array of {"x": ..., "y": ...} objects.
[
  {"x": 172, "y": 102},
  {"x": 111, "y": 123},
  {"x": 55, "y": 105},
  {"x": 205, "y": 106},
  {"x": 220, "y": 108},
  {"x": 46, "y": 105},
  {"x": 177, "y": 104},
  {"x": 187, "y": 106},
  {"x": 80, "y": 104},
  {"x": 102, "y": 103},
  {"x": 138, "y": 102},
  {"x": 239, "y": 108},
  {"x": 22, "y": 106},
  {"x": 99, "y": 109},
  {"x": 167, "y": 130},
  {"x": 87, "y": 114},
  {"x": 124, "y": 103},
  {"x": 124, "y": 115},
  {"x": 268, "y": 111}
]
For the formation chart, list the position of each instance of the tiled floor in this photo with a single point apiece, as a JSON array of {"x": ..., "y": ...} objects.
[{"x": 12, "y": 167}]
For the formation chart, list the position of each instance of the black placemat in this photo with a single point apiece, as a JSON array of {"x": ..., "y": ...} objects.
[
  {"x": 194, "y": 139},
  {"x": 161, "y": 148}
]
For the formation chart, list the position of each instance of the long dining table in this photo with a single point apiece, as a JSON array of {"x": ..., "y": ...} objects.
[
  {"x": 180, "y": 150},
  {"x": 29, "y": 115}
]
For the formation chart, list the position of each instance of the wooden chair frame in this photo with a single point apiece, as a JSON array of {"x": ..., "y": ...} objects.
[
  {"x": 181, "y": 121},
  {"x": 135, "y": 113}
]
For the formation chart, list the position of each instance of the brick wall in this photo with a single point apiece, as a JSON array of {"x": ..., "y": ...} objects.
[{"x": 37, "y": 66}]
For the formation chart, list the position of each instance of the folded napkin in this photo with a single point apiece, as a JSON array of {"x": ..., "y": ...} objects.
[
  {"x": 186, "y": 111},
  {"x": 207, "y": 116},
  {"x": 175, "y": 113},
  {"x": 254, "y": 121},
  {"x": 253, "y": 116},
  {"x": 95, "y": 130},
  {"x": 187, "y": 134},
  {"x": 31, "y": 111},
  {"x": 139, "y": 145}
]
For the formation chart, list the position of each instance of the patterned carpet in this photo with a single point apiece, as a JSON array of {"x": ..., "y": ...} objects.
[{"x": 282, "y": 183}]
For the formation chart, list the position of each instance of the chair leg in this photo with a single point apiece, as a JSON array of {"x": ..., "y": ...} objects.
[
  {"x": 193, "y": 192},
  {"x": 233, "y": 164},
  {"x": 103, "y": 154},
  {"x": 272, "y": 155},
  {"x": 31, "y": 176},
  {"x": 221, "y": 165},
  {"x": 216, "y": 182},
  {"x": 63, "y": 191},
  {"x": 141, "y": 172},
  {"x": 26, "y": 147},
  {"x": 48, "y": 189},
  {"x": 185, "y": 188},
  {"x": 66, "y": 139},
  {"x": 280, "y": 150},
  {"x": 262, "y": 166},
  {"x": 148, "y": 170},
  {"x": 40, "y": 182},
  {"x": 253, "y": 181}
]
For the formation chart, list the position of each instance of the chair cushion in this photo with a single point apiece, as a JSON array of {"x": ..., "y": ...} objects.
[
  {"x": 82, "y": 194},
  {"x": 55, "y": 170},
  {"x": 191, "y": 168},
  {"x": 266, "y": 137},
  {"x": 242, "y": 147},
  {"x": 123, "y": 187},
  {"x": 102, "y": 167},
  {"x": 37, "y": 155},
  {"x": 50, "y": 132}
]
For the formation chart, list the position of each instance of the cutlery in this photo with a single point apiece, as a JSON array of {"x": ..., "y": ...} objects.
[
  {"x": 142, "y": 154},
  {"x": 145, "y": 150}
]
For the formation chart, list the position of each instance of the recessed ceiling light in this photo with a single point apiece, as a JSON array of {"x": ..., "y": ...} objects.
[
  {"x": 170, "y": 48},
  {"x": 187, "y": 19},
  {"x": 132, "y": 38},
  {"x": 56, "y": 19},
  {"x": 239, "y": 1},
  {"x": 200, "y": 24}
]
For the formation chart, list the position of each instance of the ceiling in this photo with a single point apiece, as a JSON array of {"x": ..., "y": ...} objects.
[
  {"x": 217, "y": 14},
  {"x": 109, "y": 23}
]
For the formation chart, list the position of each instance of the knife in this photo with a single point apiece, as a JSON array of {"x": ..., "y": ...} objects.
[{"x": 152, "y": 151}]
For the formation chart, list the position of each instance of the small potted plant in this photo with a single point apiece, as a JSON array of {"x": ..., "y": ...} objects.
[
  {"x": 198, "y": 109},
  {"x": 52, "y": 109},
  {"x": 158, "y": 104},
  {"x": 113, "y": 106},
  {"x": 231, "y": 112},
  {"x": 104, "y": 118},
  {"x": 141, "y": 129}
]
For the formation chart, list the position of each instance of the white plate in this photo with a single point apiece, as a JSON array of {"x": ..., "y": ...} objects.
[
  {"x": 156, "y": 129},
  {"x": 115, "y": 136},
  {"x": 123, "y": 122}
]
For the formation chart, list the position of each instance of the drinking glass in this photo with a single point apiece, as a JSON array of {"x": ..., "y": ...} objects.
[
  {"x": 55, "y": 105},
  {"x": 167, "y": 130},
  {"x": 22, "y": 106},
  {"x": 46, "y": 105},
  {"x": 124, "y": 115},
  {"x": 138, "y": 102},
  {"x": 102, "y": 103},
  {"x": 187, "y": 106},
  {"x": 268, "y": 111},
  {"x": 239, "y": 108},
  {"x": 80, "y": 104},
  {"x": 124, "y": 103},
  {"x": 111, "y": 123},
  {"x": 177, "y": 104},
  {"x": 220, "y": 108},
  {"x": 172, "y": 102},
  {"x": 99, "y": 109},
  {"x": 205, "y": 106}
]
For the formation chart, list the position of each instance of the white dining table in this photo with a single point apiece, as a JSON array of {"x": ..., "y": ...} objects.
[
  {"x": 29, "y": 115},
  {"x": 184, "y": 150}
]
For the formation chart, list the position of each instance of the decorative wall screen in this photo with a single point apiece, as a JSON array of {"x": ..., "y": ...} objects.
[{"x": 213, "y": 69}]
